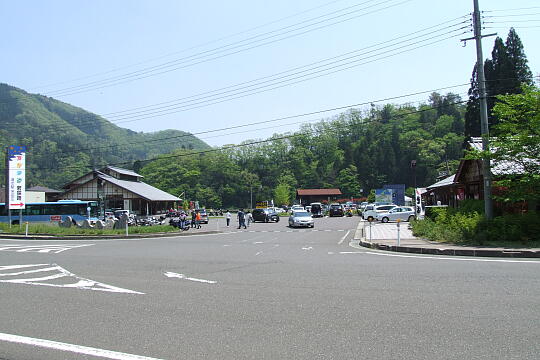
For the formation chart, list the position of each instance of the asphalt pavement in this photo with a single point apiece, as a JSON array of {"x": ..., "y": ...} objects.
[{"x": 267, "y": 292}]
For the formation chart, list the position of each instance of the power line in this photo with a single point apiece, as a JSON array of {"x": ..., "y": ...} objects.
[
  {"x": 514, "y": 9},
  {"x": 188, "y": 49},
  {"x": 318, "y": 112},
  {"x": 515, "y": 27},
  {"x": 228, "y": 147},
  {"x": 203, "y": 56},
  {"x": 274, "y": 86},
  {"x": 294, "y": 71},
  {"x": 304, "y": 75},
  {"x": 504, "y": 16}
]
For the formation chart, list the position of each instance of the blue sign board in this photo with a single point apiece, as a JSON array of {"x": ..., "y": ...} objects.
[{"x": 398, "y": 193}]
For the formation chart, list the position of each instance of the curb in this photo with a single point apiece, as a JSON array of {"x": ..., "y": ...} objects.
[
  {"x": 486, "y": 252},
  {"x": 97, "y": 237},
  {"x": 453, "y": 252}
]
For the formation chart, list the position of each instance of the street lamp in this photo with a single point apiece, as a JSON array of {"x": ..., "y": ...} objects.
[{"x": 413, "y": 167}]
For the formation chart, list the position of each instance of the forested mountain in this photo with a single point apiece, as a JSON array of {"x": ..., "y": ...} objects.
[
  {"x": 356, "y": 150},
  {"x": 65, "y": 141}
]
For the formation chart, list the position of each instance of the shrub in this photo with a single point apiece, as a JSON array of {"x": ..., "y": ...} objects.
[
  {"x": 472, "y": 228},
  {"x": 522, "y": 229}
]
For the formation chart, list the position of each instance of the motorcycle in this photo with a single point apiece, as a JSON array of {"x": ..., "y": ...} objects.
[{"x": 176, "y": 223}]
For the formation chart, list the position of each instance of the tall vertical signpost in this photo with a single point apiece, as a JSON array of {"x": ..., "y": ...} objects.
[{"x": 15, "y": 180}]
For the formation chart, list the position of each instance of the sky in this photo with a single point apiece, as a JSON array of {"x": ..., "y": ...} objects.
[{"x": 202, "y": 66}]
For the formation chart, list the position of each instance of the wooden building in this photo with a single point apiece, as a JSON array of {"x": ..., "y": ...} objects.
[
  {"x": 117, "y": 188},
  {"x": 308, "y": 196}
]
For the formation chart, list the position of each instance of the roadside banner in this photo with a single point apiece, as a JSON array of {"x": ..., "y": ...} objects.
[
  {"x": 384, "y": 196},
  {"x": 261, "y": 204},
  {"x": 16, "y": 186}
]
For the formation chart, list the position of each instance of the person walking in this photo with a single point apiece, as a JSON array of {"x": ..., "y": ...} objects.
[
  {"x": 182, "y": 220},
  {"x": 241, "y": 219},
  {"x": 193, "y": 216},
  {"x": 228, "y": 217},
  {"x": 198, "y": 219},
  {"x": 249, "y": 218}
]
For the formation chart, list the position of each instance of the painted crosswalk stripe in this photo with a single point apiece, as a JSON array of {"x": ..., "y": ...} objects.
[{"x": 42, "y": 274}]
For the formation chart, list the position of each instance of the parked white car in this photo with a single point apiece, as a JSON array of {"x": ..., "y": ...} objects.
[
  {"x": 403, "y": 213},
  {"x": 371, "y": 211}
]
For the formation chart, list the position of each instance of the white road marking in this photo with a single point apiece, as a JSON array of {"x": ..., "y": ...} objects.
[
  {"x": 307, "y": 248},
  {"x": 451, "y": 258},
  {"x": 56, "y": 249},
  {"x": 182, "y": 276},
  {"x": 57, "y": 273},
  {"x": 258, "y": 253},
  {"x": 330, "y": 253},
  {"x": 343, "y": 238},
  {"x": 79, "y": 349},
  {"x": 226, "y": 245},
  {"x": 258, "y": 242}
]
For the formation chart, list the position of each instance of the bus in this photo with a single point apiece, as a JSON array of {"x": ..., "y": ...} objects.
[{"x": 47, "y": 212}]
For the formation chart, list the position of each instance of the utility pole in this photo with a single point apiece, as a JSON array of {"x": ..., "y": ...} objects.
[{"x": 486, "y": 166}]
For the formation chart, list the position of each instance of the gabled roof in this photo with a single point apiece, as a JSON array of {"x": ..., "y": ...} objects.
[
  {"x": 506, "y": 167},
  {"x": 319, "y": 192},
  {"x": 142, "y": 189},
  {"x": 444, "y": 182},
  {"x": 44, "y": 189},
  {"x": 122, "y": 171}
]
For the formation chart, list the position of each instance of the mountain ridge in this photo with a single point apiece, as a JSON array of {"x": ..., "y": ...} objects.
[{"x": 65, "y": 141}]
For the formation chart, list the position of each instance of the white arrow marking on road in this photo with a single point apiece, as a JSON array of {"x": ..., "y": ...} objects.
[
  {"x": 343, "y": 238},
  {"x": 56, "y": 248},
  {"x": 55, "y": 272},
  {"x": 71, "y": 348},
  {"x": 182, "y": 276}
]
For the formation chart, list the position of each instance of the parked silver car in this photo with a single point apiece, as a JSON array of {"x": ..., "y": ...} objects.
[
  {"x": 301, "y": 218},
  {"x": 403, "y": 213},
  {"x": 371, "y": 211}
]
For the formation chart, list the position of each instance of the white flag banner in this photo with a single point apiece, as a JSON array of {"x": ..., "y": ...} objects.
[{"x": 16, "y": 177}]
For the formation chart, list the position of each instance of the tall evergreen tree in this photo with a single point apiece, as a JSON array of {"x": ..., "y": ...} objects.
[{"x": 505, "y": 72}]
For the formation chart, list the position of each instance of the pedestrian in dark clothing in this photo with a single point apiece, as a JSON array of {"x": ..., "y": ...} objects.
[
  {"x": 241, "y": 219},
  {"x": 193, "y": 216}
]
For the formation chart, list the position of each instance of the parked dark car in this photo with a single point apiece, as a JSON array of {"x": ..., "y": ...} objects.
[
  {"x": 316, "y": 210},
  {"x": 265, "y": 215},
  {"x": 336, "y": 210}
]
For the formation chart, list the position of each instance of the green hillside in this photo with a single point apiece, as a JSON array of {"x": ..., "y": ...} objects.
[{"x": 65, "y": 141}]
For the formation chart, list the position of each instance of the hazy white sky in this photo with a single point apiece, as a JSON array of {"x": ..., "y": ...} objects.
[{"x": 113, "y": 56}]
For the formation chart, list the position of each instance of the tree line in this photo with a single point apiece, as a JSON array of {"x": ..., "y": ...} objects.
[{"x": 356, "y": 151}]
